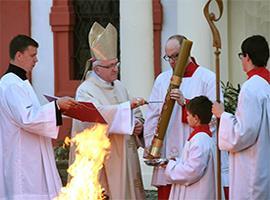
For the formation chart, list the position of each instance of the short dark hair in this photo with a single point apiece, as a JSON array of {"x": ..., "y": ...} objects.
[
  {"x": 20, "y": 43},
  {"x": 179, "y": 38},
  {"x": 256, "y": 47},
  {"x": 202, "y": 107}
]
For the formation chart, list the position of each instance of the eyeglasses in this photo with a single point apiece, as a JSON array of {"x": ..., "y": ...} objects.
[
  {"x": 241, "y": 55},
  {"x": 110, "y": 66},
  {"x": 168, "y": 58}
]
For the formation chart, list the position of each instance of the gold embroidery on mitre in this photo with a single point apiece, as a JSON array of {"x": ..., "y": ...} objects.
[{"x": 103, "y": 41}]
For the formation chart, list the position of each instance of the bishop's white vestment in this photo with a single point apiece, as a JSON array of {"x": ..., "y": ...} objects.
[{"x": 121, "y": 175}]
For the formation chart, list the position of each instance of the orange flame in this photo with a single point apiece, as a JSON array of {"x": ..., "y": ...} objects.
[
  {"x": 92, "y": 148},
  {"x": 66, "y": 143}
]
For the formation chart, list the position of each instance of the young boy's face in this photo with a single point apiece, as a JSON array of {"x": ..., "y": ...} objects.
[{"x": 193, "y": 120}]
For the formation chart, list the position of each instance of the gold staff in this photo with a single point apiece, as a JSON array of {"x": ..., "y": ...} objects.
[{"x": 211, "y": 18}]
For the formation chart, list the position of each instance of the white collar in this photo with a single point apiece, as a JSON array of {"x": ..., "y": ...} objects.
[{"x": 94, "y": 74}]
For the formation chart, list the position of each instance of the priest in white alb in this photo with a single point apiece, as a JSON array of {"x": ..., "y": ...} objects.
[
  {"x": 197, "y": 80},
  {"x": 27, "y": 165}
]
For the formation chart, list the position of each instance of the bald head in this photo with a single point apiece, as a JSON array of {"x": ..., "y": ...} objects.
[
  {"x": 179, "y": 38},
  {"x": 172, "y": 48}
]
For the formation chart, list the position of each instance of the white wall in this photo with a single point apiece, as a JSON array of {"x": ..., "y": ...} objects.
[
  {"x": 193, "y": 24},
  {"x": 169, "y": 27},
  {"x": 137, "y": 71},
  {"x": 246, "y": 18},
  {"x": 136, "y": 33},
  {"x": 43, "y": 73}
]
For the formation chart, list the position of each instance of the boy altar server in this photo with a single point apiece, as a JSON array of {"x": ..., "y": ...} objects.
[{"x": 193, "y": 174}]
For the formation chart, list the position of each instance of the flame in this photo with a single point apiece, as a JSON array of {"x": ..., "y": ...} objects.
[
  {"x": 92, "y": 148},
  {"x": 66, "y": 142}
]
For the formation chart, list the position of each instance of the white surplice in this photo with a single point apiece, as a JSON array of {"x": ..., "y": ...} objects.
[
  {"x": 193, "y": 174},
  {"x": 121, "y": 175},
  {"x": 2, "y": 186},
  {"x": 247, "y": 137},
  {"x": 26, "y": 128},
  {"x": 202, "y": 82}
]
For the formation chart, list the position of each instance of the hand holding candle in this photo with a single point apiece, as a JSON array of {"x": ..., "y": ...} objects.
[{"x": 136, "y": 102}]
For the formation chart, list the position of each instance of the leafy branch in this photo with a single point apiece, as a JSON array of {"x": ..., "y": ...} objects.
[{"x": 230, "y": 94}]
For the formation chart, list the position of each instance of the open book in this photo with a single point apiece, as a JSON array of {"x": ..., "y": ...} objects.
[{"x": 85, "y": 111}]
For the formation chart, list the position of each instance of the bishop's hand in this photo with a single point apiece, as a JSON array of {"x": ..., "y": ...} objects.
[{"x": 136, "y": 102}]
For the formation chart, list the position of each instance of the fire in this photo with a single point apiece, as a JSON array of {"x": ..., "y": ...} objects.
[{"x": 92, "y": 148}]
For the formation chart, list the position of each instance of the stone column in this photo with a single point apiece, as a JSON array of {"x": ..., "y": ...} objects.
[{"x": 136, "y": 45}]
